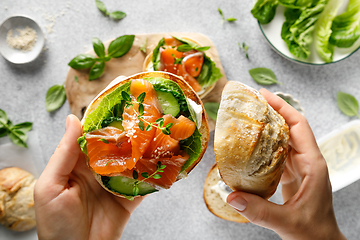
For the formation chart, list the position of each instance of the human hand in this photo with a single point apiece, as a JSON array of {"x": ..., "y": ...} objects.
[
  {"x": 70, "y": 203},
  {"x": 307, "y": 212}
]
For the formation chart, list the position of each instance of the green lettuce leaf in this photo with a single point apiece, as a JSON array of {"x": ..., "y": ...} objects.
[
  {"x": 296, "y": 4},
  {"x": 298, "y": 34},
  {"x": 156, "y": 55},
  {"x": 264, "y": 10},
  {"x": 209, "y": 74},
  {"x": 346, "y": 26},
  {"x": 105, "y": 109},
  {"x": 323, "y": 30}
]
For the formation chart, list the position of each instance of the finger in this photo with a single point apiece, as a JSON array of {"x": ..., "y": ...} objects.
[
  {"x": 66, "y": 154},
  {"x": 258, "y": 210},
  {"x": 301, "y": 136}
]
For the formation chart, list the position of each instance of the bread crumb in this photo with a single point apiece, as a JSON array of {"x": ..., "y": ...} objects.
[{"x": 25, "y": 41}]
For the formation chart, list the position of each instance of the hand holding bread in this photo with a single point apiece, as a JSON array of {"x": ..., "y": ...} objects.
[{"x": 307, "y": 212}]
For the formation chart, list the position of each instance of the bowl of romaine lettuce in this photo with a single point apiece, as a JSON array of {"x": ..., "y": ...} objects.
[{"x": 310, "y": 31}]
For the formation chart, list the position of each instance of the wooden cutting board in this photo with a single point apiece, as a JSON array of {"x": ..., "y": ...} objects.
[{"x": 80, "y": 93}]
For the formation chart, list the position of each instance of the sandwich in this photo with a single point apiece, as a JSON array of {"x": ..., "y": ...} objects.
[
  {"x": 251, "y": 141},
  {"x": 186, "y": 58},
  {"x": 144, "y": 132}
]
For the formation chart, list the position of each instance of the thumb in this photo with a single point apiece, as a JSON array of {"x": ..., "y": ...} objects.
[{"x": 258, "y": 210}]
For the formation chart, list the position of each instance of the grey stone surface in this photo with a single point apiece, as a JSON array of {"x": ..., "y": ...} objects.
[{"x": 179, "y": 213}]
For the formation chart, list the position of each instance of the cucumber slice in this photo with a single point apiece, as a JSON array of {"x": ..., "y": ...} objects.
[
  {"x": 125, "y": 186},
  {"x": 117, "y": 124},
  {"x": 168, "y": 103}
]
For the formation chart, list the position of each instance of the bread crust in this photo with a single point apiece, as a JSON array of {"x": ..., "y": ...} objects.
[
  {"x": 215, "y": 203},
  {"x": 251, "y": 141},
  {"x": 189, "y": 93},
  {"x": 17, "y": 210}
]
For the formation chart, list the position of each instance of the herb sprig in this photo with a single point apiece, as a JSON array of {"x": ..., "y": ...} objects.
[
  {"x": 244, "y": 48},
  {"x": 155, "y": 175},
  {"x": 117, "y": 48},
  {"x": 231, "y": 19},
  {"x": 15, "y": 132},
  {"x": 159, "y": 123},
  {"x": 188, "y": 47},
  {"x": 116, "y": 15}
]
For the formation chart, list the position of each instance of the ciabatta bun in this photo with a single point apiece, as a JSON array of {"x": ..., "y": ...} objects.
[
  {"x": 251, "y": 141},
  {"x": 214, "y": 201}
]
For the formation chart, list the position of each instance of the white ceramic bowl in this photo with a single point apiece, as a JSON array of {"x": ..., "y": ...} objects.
[
  {"x": 341, "y": 149},
  {"x": 14, "y": 55},
  {"x": 272, "y": 33}
]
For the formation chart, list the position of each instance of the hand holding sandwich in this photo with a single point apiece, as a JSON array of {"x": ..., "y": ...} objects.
[
  {"x": 307, "y": 212},
  {"x": 70, "y": 204}
]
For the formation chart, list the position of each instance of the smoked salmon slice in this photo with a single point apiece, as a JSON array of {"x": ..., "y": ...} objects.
[
  {"x": 109, "y": 150},
  {"x": 140, "y": 139}
]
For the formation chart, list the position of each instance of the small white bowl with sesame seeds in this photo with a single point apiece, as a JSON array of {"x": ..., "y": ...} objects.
[{"x": 21, "y": 39}]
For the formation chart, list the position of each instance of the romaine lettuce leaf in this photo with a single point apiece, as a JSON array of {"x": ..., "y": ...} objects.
[
  {"x": 264, "y": 10},
  {"x": 297, "y": 3},
  {"x": 156, "y": 55},
  {"x": 346, "y": 26},
  {"x": 323, "y": 30},
  {"x": 299, "y": 35}
]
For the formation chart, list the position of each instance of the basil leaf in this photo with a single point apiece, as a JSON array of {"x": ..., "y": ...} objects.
[
  {"x": 82, "y": 61},
  {"x": 348, "y": 104},
  {"x": 3, "y": 117},
  {"x": 24, "y": 127},
  {"x": 55, "y": 97},
  {"x": 117, "y": 15},
  {"x": 121, "y": 45},
  {"x": 18, "y": 137},
  {"x": 263, "y": 76},
  {"x": 98, "y": 47},
  {"x": 96, "y": 70},
  {"x": 3, "y": 132},
  {"x": 101, "y": 6},
  {"x": 202, "y": 49},
  {"x": 184, "y": 48},
  {"x": 212, "y": 109}
]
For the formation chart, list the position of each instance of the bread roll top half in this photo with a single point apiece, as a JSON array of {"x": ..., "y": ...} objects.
[{"x": 251, "y": 141}]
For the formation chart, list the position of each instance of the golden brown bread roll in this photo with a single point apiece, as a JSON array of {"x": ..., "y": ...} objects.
[
  {"x": 215, "y": 203},
  {"x": 17, "y": 199},
  {"x": 251, "y": 141}
]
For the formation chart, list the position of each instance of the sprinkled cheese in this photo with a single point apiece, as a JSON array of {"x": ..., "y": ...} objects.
[{"x": 25, "y": 41}]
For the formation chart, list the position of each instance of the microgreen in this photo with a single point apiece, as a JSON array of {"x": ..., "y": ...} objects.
[
  {"x": 15, "y": 132},
  {"x": 116, "y": 15},
  {"x": 348, "y": 104},
  {"x": 104, "y": 140},
  {"x": 231, "y": 19},
  {"x": 159, "y": 123},
  {"x": 263, "y": 76},
  {"x": 244, "y": 48},
  {"x": 177, "y": 60},
  {"x": 143, "y": 46},
  {"x": 76, "y": 79},
  {"x": 155, "y": 175},
  {"x": 117, "y": 48}
]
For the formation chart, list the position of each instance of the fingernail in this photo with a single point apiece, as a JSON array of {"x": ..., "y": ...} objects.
[
  {"x": 238, "y": 203},
  {"x": 67, "y": 122}
]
